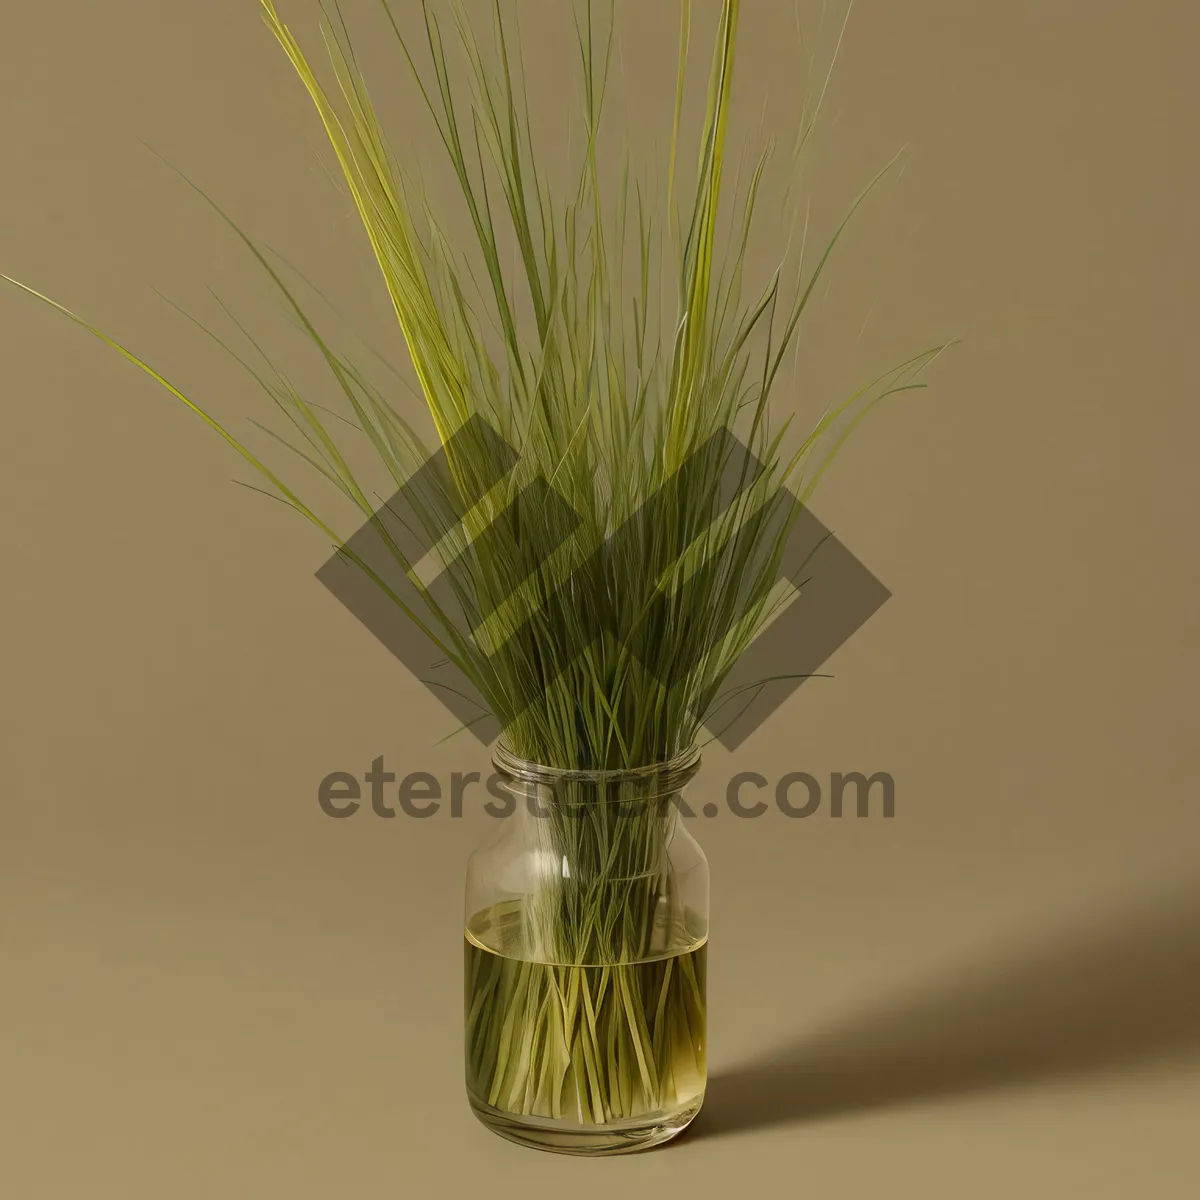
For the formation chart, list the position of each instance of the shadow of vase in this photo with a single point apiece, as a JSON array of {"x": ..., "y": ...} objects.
[{"x": 1115, "y": 992}]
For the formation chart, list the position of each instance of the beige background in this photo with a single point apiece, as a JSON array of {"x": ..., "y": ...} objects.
[{"x": 208, "y": 989}]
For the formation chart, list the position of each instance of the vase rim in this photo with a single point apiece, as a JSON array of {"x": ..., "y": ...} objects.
[{"x": 675, "y": 771}]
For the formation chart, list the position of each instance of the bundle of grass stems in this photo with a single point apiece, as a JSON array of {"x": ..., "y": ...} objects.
[{"x": 585, "y": 1003}]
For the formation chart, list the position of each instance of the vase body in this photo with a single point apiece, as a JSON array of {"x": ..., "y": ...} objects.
[{"x": 586, "y": 953}]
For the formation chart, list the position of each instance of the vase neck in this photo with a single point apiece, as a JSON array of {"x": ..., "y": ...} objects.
[{"x": 564, "y": 788}]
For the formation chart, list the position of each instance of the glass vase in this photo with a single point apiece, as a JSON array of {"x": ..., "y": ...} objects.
[{"x": 586, "y": 936}]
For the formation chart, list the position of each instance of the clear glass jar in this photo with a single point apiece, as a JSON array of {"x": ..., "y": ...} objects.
[{"x": 586, "y": 943}]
